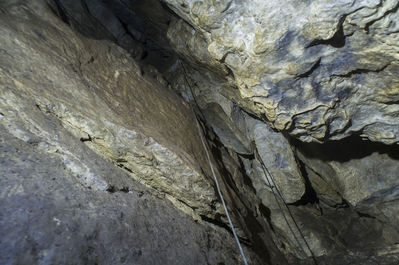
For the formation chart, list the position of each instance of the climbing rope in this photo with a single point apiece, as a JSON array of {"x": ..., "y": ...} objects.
[
  {"x": 213, "y": 172},
  {"x": 221, "y": 196},
  {"x": 273, "y": 187}
]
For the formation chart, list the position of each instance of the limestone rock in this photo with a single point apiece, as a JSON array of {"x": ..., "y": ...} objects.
[
  {"x": 325, "y": 192},
  {"x": 81, "y": 120},
  {"x": 81, "y": 131},
  {"x": 361, "y": 171},
  {"x": 277, "y": 155},
  {"x": 317, "y": 69},
  {"x": 98, "y": 93},
  {"x": 227, "y": 131},
  {"x": 65, "y": 204}
]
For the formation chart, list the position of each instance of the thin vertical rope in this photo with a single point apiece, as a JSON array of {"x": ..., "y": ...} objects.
[
  {"x": 212, "y": 169},
  {"x": 221, "y": 195},
  {"x": 267, "y": 172}
]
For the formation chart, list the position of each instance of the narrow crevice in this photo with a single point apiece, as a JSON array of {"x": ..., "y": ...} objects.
[
  {"x": 223, "y": 225},
  {"x": 337, "y": 40},
  {"x": 247, "y": 180},
  {"x": 88, "y": 139},
  {"x": 59, "y": 11},
  {"x": 310, "y": 71},
  {"x": 144, "y": 55},
  {"x": 216, "y": 222},
  {"x": 310, "y": 195},
  {"x": 223, "y": 60},
  {"x": 124, "y": 189},
  {"x": 230, "y": 73},
  {"x": 344, "y": 150},
  {"x": 185, "y": 203},
  {"x": 113, "y": 189},
  {"x": 391, "y": 102},
  {"x": 266, "y": 213},
  {"x": 249, "y": 222},
  {"x": 362, "y": 71},
  {"x": 365, "y": 215},
  {"x": 125, "y": 168}
]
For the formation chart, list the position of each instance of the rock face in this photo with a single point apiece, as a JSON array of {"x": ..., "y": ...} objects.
[
  {"x": 298, "y": 101},
  {"x": 276, "y": 152},
  {"x": 99, "y": 164},
  {"x": 319, "y": 70},
  {"x": 364, "y": 173},
  {"x": 50, "y": 216},
  {"x": 79, "y": 83}
]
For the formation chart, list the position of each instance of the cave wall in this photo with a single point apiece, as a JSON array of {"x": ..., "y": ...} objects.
[
  {"x": 298, "y": 101},
  {"x": 319, "y": 70},
  {"x": 99, "y": 162}
]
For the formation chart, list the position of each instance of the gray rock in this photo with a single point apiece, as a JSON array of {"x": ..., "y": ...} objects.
[
  {"x": 49, "y": 214},
  {"x": 361, "y": 171},
  {"x": 79, "y": 116},
  {"x": 98, "y": 93},
  {"x": 277, "y": 155},
  {"x": 99, "y": 164},
  {"x": 228, "y": 133},
  {"x": 319, "y": 70}
]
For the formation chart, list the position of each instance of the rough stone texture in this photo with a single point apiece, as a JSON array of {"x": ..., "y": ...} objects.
[
  {"x": 360, "y": 171},
  {"x": 365, "y": 174},
  {"x": 81, "y": 128},
  {"x": 328, "y": 224},
  {"x": 98, "y": 93},
  {"x": 276, "y": 153},
  {"x": 227, "y": 131},
  {"x": 50, "y": 216},
  {"x": 325, "y": 191},
  {"x": 252, "y": 216},
  {"x": 317, "y": 69},
  {"x": 321, "y": 71}
]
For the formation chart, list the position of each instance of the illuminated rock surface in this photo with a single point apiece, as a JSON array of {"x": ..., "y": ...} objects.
[{"x": 100, "y": 156}]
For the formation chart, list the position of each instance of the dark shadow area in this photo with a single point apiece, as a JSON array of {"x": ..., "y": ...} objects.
[
  {"x": 310, "y": 195},
  {"x": 138, "y": 26},
  {"x": 352, "y": 147},
  {"x": 231, "y": 192},
  {"x": 59, "y": 11},
  {"x": 76, "y": 14},
  {"x": 336, "y": 41}
]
